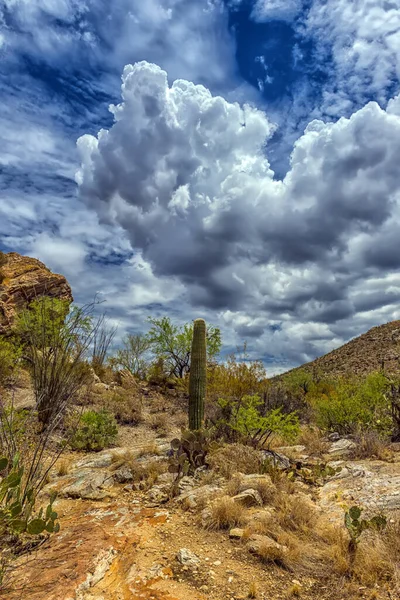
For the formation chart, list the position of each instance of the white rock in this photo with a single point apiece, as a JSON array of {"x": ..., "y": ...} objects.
[
  {"x": 249, "y": 497},
  {"x": 342, "y": 446},
  {"x": 187, "y": 558}
]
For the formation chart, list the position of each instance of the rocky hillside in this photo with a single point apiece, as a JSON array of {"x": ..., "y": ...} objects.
[
  {"x": 364, "y": 354},
  {"x": 24, "y": 279}
]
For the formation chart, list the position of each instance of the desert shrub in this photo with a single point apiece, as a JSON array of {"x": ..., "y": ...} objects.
[
  {"x": 351, "y": 405},
  {"x": 313, "y": 439},
  {"x": 9, "y": 354},
  {"x": 245, "y": 422},
  {"x": 237, "y": 378},
  {"x": 95, "y": 431},
  {"x": 103, "y": 337},
  {"x": 234, "y": 458},
  {"x": 125, "y": 406},
  {"x": 55, "y": 343},
  {"x": 159, "y": 422},
  {"x": 371, "y": 444},
  {"x": 145, "y": 473},
  {"x": 28, "y": 456}
]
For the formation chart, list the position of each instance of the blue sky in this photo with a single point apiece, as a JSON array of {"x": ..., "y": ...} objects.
[{"x": 265, "y": 200}]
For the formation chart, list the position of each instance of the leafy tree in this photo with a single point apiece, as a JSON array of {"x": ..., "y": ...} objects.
[
  {"x": 134, "y": 356},
  {"x": 173, "y": 343}
]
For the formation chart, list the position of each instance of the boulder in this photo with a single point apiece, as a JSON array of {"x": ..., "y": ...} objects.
[
  {"x": 266, "y": 547},
  {"x": 249, "y": 497},
  {"x": 342, "y": 446},
  {"x": 26, "y": 279},
  {"x": 85, "y": 484},
  {"x": 123, "y": 474}
]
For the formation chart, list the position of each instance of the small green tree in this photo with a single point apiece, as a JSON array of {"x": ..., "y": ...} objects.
[
  {"x": 173, "y": 344},
  {"x": 134, "y": 355}
]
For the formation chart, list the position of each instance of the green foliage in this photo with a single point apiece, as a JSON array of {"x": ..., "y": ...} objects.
[
  {"x": 355, "y": 525},
  {"x": 173, "y": 344},
  {"x": 42, "y": 322},
  {"x": 247, "y": 420},
  {"x": 9, "y": 354},
  {"x": 347, "y": 406},
  {"x": 198, "y": 375},
  {"x": 55, "y": 344},
  {"x": 96, "y": 431},
  {"x": 134, "y": 355},
  {"x": 17, "y": 502}
]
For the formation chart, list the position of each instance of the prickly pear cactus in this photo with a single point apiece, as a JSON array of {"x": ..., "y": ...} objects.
[
  {"x": 197, "y": 376},
  {"x": 188, "y": 454},
  {"x": 17, "y": 503}
]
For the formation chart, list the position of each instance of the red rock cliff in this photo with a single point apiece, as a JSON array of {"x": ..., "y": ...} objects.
[{"x": 24, "y": 279}]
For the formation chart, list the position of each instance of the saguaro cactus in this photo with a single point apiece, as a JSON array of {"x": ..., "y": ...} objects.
[{"x": 198, "y": 375}]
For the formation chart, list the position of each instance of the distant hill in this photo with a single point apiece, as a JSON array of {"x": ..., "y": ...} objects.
[{"x": 363, "y": 354}]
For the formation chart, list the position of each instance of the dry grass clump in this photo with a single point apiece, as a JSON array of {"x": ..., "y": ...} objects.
[
  {"x": 63, "y": 467},
  {"x": 225, "y": 513},
  {"x": 150, "y": 449},
  {"x": 312, "y": 438},
  {"x": 371, "y": 445},
  {"x": 126, "y": 407},
  {"x": 159, "y": 423},
  {"x": 378, "y": 556},
  {"x": 235, "y": 458},
  {"x": 295, "y": 513}
]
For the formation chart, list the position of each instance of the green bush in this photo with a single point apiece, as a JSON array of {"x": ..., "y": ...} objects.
[
  {"x": 252, "y": 427},
  {"x": 96, "y": 431},
  {"x": 349, "y": 406},
  {"x": 9, "y": 355}
]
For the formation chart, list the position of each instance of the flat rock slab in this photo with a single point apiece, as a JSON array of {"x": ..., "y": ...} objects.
[{"x": 373, "y": 485}]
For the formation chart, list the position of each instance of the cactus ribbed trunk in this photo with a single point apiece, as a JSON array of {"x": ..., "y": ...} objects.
[{"x": 198, "y": 375}]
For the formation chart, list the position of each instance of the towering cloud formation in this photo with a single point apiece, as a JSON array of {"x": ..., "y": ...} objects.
[{"x": 186, "y": 174}]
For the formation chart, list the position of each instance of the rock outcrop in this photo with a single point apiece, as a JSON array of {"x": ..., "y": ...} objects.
[{"x": 24, "y": 279}]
